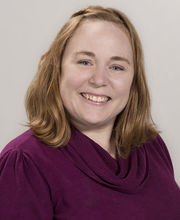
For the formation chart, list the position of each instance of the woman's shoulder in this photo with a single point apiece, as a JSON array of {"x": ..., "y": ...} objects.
[
  {"x": 159, "y": 145},
  {"x": 158, "y": 149},
  {"x": 30, "y": 147},
  {"x": 25, "y": 143},
  {"x": 26, "y": 157},
  {"x": 27, "y": 176}
]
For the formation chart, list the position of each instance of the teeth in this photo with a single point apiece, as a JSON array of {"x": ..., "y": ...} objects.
[{"x": 95, "y": 98}]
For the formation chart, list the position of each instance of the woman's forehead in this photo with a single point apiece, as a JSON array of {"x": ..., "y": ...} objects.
[{"x": 100, "y": 36}]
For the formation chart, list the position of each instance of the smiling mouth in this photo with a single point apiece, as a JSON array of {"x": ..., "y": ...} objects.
[{"x": 94, "y": 98}]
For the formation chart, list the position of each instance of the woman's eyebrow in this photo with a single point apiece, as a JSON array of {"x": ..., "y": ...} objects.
[
  {"x": 117, "y": 58},
  {"x": 91, "y": 54},
  {"x": 88, "y": 53}
]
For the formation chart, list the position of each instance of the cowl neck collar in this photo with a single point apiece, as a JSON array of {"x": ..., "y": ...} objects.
[{"x": 124, "y": 175}]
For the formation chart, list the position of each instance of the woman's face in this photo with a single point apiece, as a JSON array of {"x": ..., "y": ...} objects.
[{"x": 97, "y": 73}]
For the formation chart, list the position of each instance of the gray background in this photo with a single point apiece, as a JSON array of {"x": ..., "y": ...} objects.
[{"x": 28, "y": 27}]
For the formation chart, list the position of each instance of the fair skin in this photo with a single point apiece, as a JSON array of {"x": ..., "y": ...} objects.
[{"x": 97, "y": 73}]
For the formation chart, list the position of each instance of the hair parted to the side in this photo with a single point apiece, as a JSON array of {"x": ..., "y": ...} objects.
[{"x": 46, "y": 114}]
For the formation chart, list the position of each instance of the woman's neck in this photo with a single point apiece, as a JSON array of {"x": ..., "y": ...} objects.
[{"x": 101, "y": 135}]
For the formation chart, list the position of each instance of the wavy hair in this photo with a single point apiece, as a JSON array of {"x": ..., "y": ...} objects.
[{"x": 46, "y": 114}]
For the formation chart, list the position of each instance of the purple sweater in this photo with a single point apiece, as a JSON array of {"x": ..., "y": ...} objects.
[{"x": 81, "y": 181}]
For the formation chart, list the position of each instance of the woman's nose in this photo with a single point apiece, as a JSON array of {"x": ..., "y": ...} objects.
[{"x": 98, "y": 77}]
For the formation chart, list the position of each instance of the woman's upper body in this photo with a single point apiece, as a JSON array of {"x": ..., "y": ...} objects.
[
  {"x": 90, "y": 101},
  {"x": 82, "y": 181}
]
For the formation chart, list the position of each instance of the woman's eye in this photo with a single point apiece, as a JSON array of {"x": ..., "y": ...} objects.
[
  {"x": 84, "y": 62},
  {"x": 118, "y": 68}
]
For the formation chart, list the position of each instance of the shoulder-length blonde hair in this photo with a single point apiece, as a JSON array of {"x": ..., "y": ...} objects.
[{"x": 47, "y": 116}]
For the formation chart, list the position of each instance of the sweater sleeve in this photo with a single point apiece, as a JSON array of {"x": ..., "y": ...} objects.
[
  {"x": 24, "y": 193},
  {"x": 166, "y": 154}
]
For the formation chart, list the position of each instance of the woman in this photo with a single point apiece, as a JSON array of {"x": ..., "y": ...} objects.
[{"x": 92, "y": 150}]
